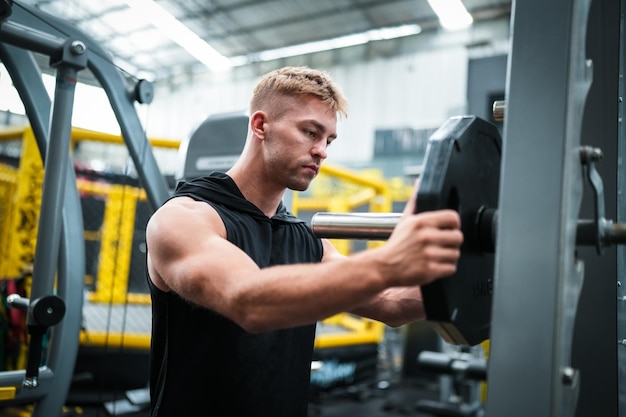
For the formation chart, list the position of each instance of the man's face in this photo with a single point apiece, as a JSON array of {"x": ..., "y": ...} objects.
[{"x": 297, "y": 142}]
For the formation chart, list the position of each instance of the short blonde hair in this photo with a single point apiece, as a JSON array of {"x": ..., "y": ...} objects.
[{"x": 293, "y": 82}]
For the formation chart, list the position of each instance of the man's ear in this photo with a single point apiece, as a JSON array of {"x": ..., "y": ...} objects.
[{"x": 258, "y": 124}]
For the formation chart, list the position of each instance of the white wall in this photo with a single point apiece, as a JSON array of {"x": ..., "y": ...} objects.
[{"x": 418, "y": 90}]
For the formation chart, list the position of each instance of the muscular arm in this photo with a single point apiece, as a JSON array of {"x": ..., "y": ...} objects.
[{"x": 188, "y": 254}]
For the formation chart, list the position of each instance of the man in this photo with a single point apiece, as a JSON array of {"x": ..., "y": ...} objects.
[{"x": 238, "y": 283}]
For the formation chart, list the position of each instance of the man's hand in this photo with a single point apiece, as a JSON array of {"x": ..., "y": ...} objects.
[{"x": 425, "y": 246}]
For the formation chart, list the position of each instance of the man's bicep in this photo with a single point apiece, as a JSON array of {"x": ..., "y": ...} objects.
[
  {"x": 178, "y": 234},
  {"x": 195, "y": 260}
]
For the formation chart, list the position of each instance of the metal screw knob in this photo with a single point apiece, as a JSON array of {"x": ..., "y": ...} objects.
[
  {"x": 78, "y": 47},
  {"x": 498, "y": 109}
]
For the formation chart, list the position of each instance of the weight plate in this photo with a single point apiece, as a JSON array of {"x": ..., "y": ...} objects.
[{"x": 462, "y": 172}]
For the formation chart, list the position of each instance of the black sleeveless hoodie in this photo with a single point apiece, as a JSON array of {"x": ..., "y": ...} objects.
[{"x": 203, "y": 364}]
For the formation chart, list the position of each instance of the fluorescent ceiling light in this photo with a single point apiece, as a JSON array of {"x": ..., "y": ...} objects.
[
  {"x": 154, "y": 14},
  {"x": 452, "y": 14},
  {"x": 179, "y": 33},
  {"x": 329, "y": 44}
]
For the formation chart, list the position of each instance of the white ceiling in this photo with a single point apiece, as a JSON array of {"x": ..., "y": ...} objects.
[{"x": 240, "y": 28}]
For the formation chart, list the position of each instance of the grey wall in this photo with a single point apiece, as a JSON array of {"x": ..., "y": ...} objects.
[{"x": 486, "y": 82}]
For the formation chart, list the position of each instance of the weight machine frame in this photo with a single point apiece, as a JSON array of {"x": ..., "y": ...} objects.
[
  {"x": 542, "y": 362},
  {"x": 60, "y": 244}
]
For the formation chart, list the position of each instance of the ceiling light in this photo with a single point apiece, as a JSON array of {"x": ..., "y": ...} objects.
[
  {"x": 179, "y": 33},
  {"x": 452, "y": 14},
  {"x": 329, "y": 44}
]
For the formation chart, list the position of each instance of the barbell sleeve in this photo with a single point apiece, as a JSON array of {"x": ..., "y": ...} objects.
[{"x": 359, "y": 226}]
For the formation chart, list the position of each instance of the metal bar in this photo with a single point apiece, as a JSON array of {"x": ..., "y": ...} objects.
[
  {"x": 365, "y": 226},
  {"x": 26, "y": 37},
  {"x": 138, "y": 146},
  {"x": 621, "y": 215},
  {"x": 57, "y": 159},
  {"x": 63, "y": 348},
  {"x": 538, "y": 278},
  {"x": 379, "y": 226},
  {"x": 47, "y": 378}
]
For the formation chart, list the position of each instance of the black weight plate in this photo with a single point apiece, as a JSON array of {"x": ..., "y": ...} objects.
[{"x": 462, "y": 172}]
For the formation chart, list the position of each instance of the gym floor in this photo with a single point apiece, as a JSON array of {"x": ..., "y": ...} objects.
[
  {"x": 387, "y": 399},
  {"x": 393, "y": 389},
  {"x": 399, "y": 399}
]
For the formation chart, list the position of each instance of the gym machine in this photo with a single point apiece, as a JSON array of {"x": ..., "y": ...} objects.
[
  {"x": 462, "y": 172},
  {"x": 56, "y": 298},
  {"x": 562, "y": 97},
  {"x": 464, "y": 371}
]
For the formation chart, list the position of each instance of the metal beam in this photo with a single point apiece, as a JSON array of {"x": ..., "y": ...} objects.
[{"x": 538, "y": 279}]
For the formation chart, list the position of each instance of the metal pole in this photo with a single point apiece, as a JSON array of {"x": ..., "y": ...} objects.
[
  {"x": 57, "y": 158},
  {"x": 538, "y": 278}
]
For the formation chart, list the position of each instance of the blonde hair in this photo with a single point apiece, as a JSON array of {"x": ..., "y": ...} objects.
[{"x": 293, "y": 82}]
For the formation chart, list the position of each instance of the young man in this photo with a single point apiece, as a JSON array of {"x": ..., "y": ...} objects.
[{"x": 238, "y": 283}]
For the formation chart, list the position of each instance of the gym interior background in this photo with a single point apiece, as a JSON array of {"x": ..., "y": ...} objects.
[{"x": 401, "y": 89}]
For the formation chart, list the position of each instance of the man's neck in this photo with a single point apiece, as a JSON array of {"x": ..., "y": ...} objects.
[{"x": 262, "y": 194}]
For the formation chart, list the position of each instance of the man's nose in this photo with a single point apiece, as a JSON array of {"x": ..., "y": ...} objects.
[{"x": 320, "y": 149}]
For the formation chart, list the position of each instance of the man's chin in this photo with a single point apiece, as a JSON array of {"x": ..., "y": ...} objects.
[{"x": 299, "y": 187}]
